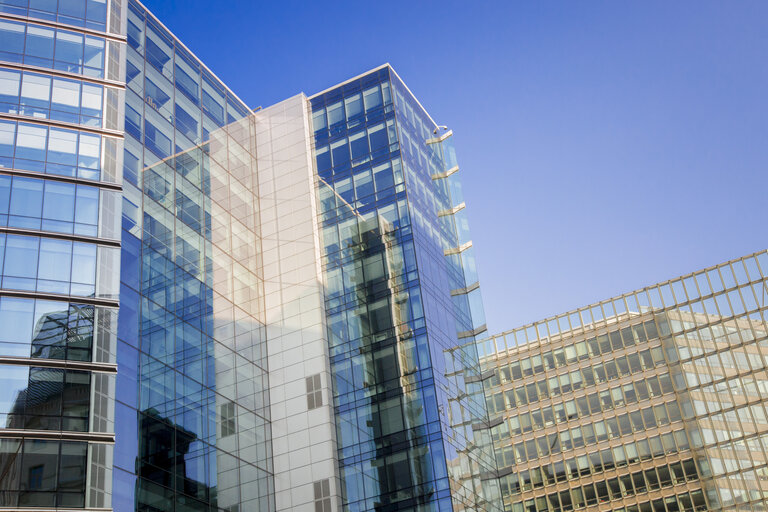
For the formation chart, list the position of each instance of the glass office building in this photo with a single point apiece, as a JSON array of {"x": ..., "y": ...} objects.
[
  {"x": 651, "y": 401},
  {"x": 401, "y": 302},
  {"x": 207, "y": 308},
  {"x": 191, "y": 407},
  {"x": 61, "y": 143}
]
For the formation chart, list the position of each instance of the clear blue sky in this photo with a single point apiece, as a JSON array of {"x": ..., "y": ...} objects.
[{"x": 604, "y": 146}]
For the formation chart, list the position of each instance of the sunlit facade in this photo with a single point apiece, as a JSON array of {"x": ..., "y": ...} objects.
[
  {"x": 61, "y": 97},
  {"x": 209, "y": 308},
  {"x": 401, "y": 302},
  {"x": 652, "y": 401},
  {"x": 205, "y": 307}
]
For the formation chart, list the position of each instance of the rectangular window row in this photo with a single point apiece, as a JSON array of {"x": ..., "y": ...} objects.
[
  {"x": 44, "y": 398},
  {"x": 58, "y": 49},
  {"x": 32, "y": 203},
  {"x": 578, "y": 379},
  {"x": 637, "y": 482},
  {"x": 736, "y": 457},
  {"x": 585, "y": 435},
  {"x": 90, "y": 14},
  {"x": 42, "y": 473},
  {"x": 47, "y": 329},
  {"x": 590, "y": 464},
  {"x": 366, "y": 186},
  {"x": 46, "y": 97},
  {"x": 342, "y": 239},
  {"x": 59, "y": 151},
  {"x": 616, "y": 488},
  {"x": 580, "y": 407},
  {"x": 352, "y": 109},
  {"x": 358, "y": 148},
  {"x": 705, "y": 341},
  {"x": 579, "y": 351},
  {"x": 48, "y": 265}
]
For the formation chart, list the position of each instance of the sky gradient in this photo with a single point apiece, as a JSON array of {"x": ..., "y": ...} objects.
[{"x": 604, "y": 146}]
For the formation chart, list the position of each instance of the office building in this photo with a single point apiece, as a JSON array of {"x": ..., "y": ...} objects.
[
  {"x": 651, "y": 401},
  {"x": 206, "y": 307},
  {"x": 209, "y": 308}
]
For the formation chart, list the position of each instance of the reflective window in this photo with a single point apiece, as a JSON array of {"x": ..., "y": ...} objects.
[
  {"x": 46, "y": 329},
  {"x": 49, "y": 205},
  {"x": 49, "y": 265},
  {"x": 50, "y": 150},
  {"x": 41, "y": 96},
  {"x": 52, "y": 48},
  {"x": 44, "y": 398},
  {"x": 90, "y": 14},
  {"x": 43, "y": 473}
]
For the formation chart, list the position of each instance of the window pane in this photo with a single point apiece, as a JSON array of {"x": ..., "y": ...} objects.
[
  {"x": 88, "y": 156},
  {"x": 35, "y": 92},
  {"x": 87, "y": 205},
  {"x": 39, "y": 44},
  {"x": 66, "y": 95},
  {"x": 20, "y": 257},
  {"x": 69, "y": 51},
  {"x": 59, "y": 201},
  {"x": 9, "y": 91},
  {"x": 84, "y": 264},
  {"x": 55, "y": 264},
  {"x": 16, "y": 318},
  {"x": 11, "y": 41},
  {"x": 30, "y": 142},
  {"x": 26, "y": 197}
]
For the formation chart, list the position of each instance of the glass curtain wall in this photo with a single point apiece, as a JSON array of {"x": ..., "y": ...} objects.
[
  {"x": 450, "y": 297},
  {"x": 61, "y": 141},
  {"x": 192, "y": 404},
  {"x": 388, "y": 367}
]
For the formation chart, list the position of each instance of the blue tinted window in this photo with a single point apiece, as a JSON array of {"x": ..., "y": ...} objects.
[
  {"x": 5, "y": 198},
  {"x": 87, "y": 211},
  {"x": 61, "y": 99},
  {"x": 186, "y": 123},
  {"x": 40, "y": 46},
  {"x": 26, "y": 203},
  {"x": 84, "y": 266},
  {"x": 90, "y": 14},
  {"x": 20, "y": 269},
  {"x": 156, "y": 140},
  {"x": 55, "y": 265},
  {"x": 66, "y": 208},
  {"x": 11, "y": 41},
  {"x": 52, "y": 48},
  {"x": 46, "y": 329},
  {"x": 69, "y": 51},
  {"x": 72, "y": 10},
  {"x": 23, "y": 271}
]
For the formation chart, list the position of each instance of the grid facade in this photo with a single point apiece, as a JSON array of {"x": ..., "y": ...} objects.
[
  {"x": 404, "y": 413},
  {"x": 654, "y": 400},
  {"x": 61, "y": 94},
  {"x": 192, "y": 403}
]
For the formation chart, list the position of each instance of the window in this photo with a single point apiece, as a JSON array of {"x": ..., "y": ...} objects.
[
  {"x": 322, "y": 496},
  {"x": 227, "y": 413},
  {"x": 314, "y": 392}
]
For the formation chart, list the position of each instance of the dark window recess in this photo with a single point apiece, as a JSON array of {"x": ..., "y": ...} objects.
[{"x": 314, "y": 392}]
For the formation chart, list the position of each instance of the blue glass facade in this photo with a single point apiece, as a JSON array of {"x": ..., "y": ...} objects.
[
  {"x": 60, "y": 185},
  {"x": 135, "y": 186},
  {"x": 406, "y": 419},
  {"x": 192, "y": 384}
]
